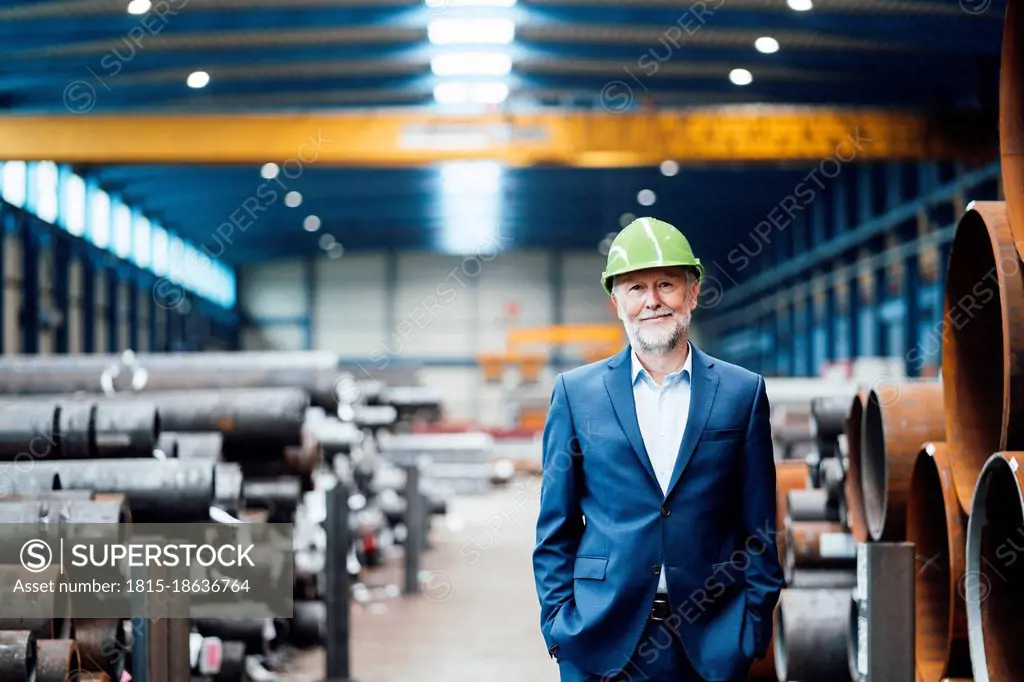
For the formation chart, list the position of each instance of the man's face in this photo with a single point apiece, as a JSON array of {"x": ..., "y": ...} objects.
[{"x": 655, "y": 307}]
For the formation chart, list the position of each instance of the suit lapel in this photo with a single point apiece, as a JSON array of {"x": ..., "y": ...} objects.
[
  {"x": 618, "y": 382},
  {"x": 704, "y": 385}
]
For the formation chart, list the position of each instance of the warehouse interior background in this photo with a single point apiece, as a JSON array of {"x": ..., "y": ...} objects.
[{"x": 426, "y": 191}]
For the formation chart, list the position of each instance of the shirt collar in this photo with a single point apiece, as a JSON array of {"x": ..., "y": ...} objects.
[{"x": 638, "y": 369}]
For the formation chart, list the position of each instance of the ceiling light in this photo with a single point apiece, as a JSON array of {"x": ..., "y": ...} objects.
[
  {"x": 311, "y": 223},
  {"x": 800, "y": 5},
  {"x": 669, "y": 168},
  {"x": 269, "y": 171},
  {"x": 471, "y": 64},
  {"x": 466, "y": 93},
  {"x": 741, "y": 77},
  {"x": 198, "y": 79},
  {"x": 335, "y": 251},
  {"x": 436, "y": 5},
  {"x": 327, "y": 241},
  {"x": 767, "y": 45},
  {"x": 292, "y": 199},
  {"x": 139, "y": 6},
  {"x": 626, "y": 219},
  {"x": 471, "y": 31},
  {"x": 646, "y": 197}
]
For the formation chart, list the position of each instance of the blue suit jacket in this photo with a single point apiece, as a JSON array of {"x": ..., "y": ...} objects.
[{"x": 605, "y": 528}]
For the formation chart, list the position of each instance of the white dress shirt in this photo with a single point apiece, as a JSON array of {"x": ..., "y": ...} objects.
[{"x": 661, "y": 412}]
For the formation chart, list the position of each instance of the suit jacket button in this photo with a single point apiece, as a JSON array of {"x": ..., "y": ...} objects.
[
  {"x": 656, "y": 570},
  {"x": 665, "y": 511}
]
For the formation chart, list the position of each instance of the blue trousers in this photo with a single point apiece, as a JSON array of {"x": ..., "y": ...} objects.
[{"x": 659, "y": 657}]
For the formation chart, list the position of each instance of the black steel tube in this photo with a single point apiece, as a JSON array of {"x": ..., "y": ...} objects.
[
  {"x": 197, "y": 445},
  {"x": 308, "y": 625},
  {"x": 811, "y": 505},
  {"x": 828, "y": 422},
  {"x": 232, "y": 666},
  {"x": 280, "y": 496},
  {"x": 76, "y": 426},
  {"x": 156, "y": 490},
  {"x": 262, "y": 416},
  {"x": 811, "y": 629},
  {"x": 28, "y": 430},
  {"x": 167, "y": 443},
  {"x": 17, "y": 656},
  {"x": 126, "y": 428},
  {"x": 249, "y": 631},
  {"x": 338, "y": 592}
]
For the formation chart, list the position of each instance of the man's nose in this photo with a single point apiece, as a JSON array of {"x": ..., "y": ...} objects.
[{"x": 651, "y": 298}]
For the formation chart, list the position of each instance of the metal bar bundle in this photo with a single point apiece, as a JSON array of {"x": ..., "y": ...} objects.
[
  {"x": 191, "y": 445},
  {"x": 982, "y": 376},
  {"x": 937, "y": 526},
  {"x": 42, "y": 612},
  {"x": 272, "y": 416},
  {"x": 897, "y": 420}
]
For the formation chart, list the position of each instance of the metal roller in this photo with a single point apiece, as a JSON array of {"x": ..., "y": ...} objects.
[
  {"x": 854, "y": 498},
  {"x": 994, "y": 579},
  {"x": 817, "y": 545},
  {"x": 28, "y": 430},
  {"x": 76, "y": 424},
  {"x": 828, "y": 421},
  {"x": 937, "y": 527},
  {"x": 811, "y": 630},
  {"x": 279, "y": 495},
  {"x": 57, "y": 660},
  {"x": 41, "y": 613},
  {"x": 982, "y": 377},
  {"x": 102, "y": 645},
  {"x": 897, "y": 420},
  {"x": 20, "y": 481},
  {"x": 789, "y": 475},
  {"x": 157, "y": 490},
  {"x": 126, "y": 428},
  {"x": 810, "y": 505},
  {"x": 232, "y": 666},
  {"x": 17, "y": 656},
  {"x": 822, "y": 578},
  {"x": 196, "y": 445}
]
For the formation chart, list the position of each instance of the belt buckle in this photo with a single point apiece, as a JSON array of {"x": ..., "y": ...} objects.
[{"x": 654, "y": 609}]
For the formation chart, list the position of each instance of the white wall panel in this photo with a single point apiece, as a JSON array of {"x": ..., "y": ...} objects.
[
  {"x": 350, "y": 308},
  {"x": 274, "y": 289},
  {"x": 12, "y": 293},
  {"x": 459, "y": 387},
  {"x": 583, "y": 299},
  {"x": 519, "y": 279},
  {"x": 75, "y": 312},
  {"x": 276, "y": 337},
  {"x": 434, "y": 306}
]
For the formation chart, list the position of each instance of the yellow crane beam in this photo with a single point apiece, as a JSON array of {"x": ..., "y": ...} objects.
[{"x": 413, "y": 138}]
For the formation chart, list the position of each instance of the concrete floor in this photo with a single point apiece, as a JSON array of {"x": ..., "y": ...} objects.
[{"x": 477, "y": 619}]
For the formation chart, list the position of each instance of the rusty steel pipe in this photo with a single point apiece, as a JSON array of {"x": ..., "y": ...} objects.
[
  {"x": 790, "y": 475},
  {"x": 898, "y": 418},
  {"x": 937, "y": 527},
  {"x": 102, "y": 645},
  {"x": 811, "y": 629},
  {"x": 982, "y": 344},
  {"x": 852, "y": 482},
  {"x": 994, "y": 579},
  {"x": 57, "y": 661},
  {"x": 1011, "y": 118},
  {"x": 17, "y": 656}
]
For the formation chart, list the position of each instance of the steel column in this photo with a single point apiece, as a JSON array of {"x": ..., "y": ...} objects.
[{"x": 30, "y": 290}]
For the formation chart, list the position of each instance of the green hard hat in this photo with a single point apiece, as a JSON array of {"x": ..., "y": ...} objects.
[{"x": 648, "y": 243}]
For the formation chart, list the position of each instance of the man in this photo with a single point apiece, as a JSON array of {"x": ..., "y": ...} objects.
[{"x": 656, "y": 556}]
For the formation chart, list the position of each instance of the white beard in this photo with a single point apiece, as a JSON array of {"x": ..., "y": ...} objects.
[{"x": 659, "y": 341}]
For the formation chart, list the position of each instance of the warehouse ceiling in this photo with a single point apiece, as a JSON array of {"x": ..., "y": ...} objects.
[{"x": 85, "y": 57}]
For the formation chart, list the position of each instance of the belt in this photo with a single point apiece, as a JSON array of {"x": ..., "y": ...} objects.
[{"x": 660, "y": 610}]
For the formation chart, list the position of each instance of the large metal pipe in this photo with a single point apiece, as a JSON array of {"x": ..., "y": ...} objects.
[
  {"x": 1011, "y": 118},
  {"x": 126, "y": 428},
  {"x": 983, "y": 341},
  {"x": 17, "y": 656},
  {"x": 102, "y": 645},
  {"x": 57, "y": 660},
  {"x": 192, "y": 445},
  {"x": 937, "y": 527},
  {"x": 76, "y": 427},
  {"x": 41, "y": 613},
  {"x": 854, "y": 497},
  {"x": 817, "y": 545},
  {"x": 811, "y": 630},
  {"x": 789, "y": 475},
  {"x": 28, "y": 430},
  {"x": 898, "y": 418},
  {"x": 994, "y": 577},
  {"x": 156, "y": 490},
  {"x": 265, "y": 416}
]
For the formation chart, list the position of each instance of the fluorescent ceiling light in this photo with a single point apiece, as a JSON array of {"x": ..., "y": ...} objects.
[
  {"x": 800, "y": 5},
  {"x": 269, "y": 171},
  {"x": 471, "y": 64},
  {"x": 741, "y": 77},
  {"x": 442, "y": 5},
  {"x": 471, "y": 31},
  {"x": 198, "y": 79},
  {"x": 767, "y": 45},
  {"x": 139, "y": 6},
  {"x": 471, "y": 93}
]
